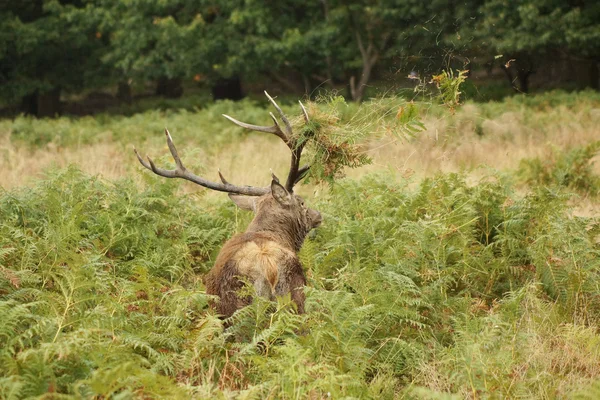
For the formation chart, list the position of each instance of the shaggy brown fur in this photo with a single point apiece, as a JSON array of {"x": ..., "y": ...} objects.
[{"x": 266, "y": 254}]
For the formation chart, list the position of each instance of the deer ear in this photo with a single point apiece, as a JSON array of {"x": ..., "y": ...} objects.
[
  {"x": 280, "y": 194},
  {"x": 244, "y": 202}
]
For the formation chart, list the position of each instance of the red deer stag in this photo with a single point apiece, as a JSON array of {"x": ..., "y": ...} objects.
[{"x": 267, "y": 253}]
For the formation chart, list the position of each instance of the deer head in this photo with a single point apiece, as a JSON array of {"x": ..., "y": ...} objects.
[
  {"x": 277, "y": 209},
  {"x": 282, "y": 213}
]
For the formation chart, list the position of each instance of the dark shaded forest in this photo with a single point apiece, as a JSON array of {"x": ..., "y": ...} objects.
[{"x": 78, "y": 56}]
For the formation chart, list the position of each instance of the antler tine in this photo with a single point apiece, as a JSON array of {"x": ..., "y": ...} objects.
[
  {"x": 222, "y": 177},
  {"x": 292, "y": 178},
  {"x": 183, "y": 173},
  {"x": 285, "y": 137},
  {"x": 275, "y": 129},
  {"x": 296, "y": 174},
  {"x": 301, "y": 173},
  {"x": 141, "y": 160},
  {"x": 304, "y": 112},
  {"x": 173, "y": 151},
  {"x": 288, "y": 126}
]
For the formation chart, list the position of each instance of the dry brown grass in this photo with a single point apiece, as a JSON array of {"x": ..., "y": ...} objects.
[
  {"x": 21, "y": 166},
  {"x": 446, "y": 145},
  {"x": 505, "y": 141}
]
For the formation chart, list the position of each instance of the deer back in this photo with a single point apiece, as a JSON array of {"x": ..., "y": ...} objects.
[
  {"x": 266, "y": 254},
  {"x": 260, "y": 259}
]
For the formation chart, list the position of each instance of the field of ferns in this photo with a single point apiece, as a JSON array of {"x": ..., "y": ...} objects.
[{"x": 460, "y": 259}]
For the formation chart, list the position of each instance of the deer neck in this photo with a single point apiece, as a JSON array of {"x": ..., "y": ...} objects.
[{"x": 289, "y": 235}]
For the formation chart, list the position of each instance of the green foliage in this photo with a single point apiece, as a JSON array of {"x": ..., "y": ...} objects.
[
  {"x": 536, "y": 26},
  {"x": 95, "y": 303},
  {"x": 572, "y": 169},
  {"x": 336, "y": 133},
  {"x": 48, "y": 46},
  {"x": 449, "y": 86},
  {"x": 525, "y": 34},
  {"x": 189, "y": 122},
  {"x": 588, "y": 393},
  {"x": 332, "y": 145},
  {"x": 334, "y": 137},
  {"x": 41, "y": 40},
  {"x": 151, "y": 40}
]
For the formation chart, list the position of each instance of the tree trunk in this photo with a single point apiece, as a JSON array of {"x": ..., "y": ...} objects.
[
  {"x": 169, "y": 87},
  {"x": 289, "y": 84},
  {"x": 584, "y": 72},
  {"x": 489, "y": 68},
  {"x": 329, "y": 71},
  {"x": 369, "y": 58},
  {"x": 29, "y": 104},
  {"x": 228, "y": 88},
  {"x": 510, "y": 77},
  {"x": 328, "y": 61},
  {"x": 594, "y": 74},
  {"x": 358, "y": 92},
  {"x": 307, "y": 85},
  {"x": 46, "y": 104},
  {"x": 524, "y": 66},
  {"x": 523, "y": 76},
  {"x": 124, "y": 92}
]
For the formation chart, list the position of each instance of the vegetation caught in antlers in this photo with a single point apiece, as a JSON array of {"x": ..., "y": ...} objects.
[{"x": 330, "y": 144}]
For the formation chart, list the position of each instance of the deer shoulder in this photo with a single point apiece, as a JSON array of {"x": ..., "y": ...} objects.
[{"x": 259, "y": 259}]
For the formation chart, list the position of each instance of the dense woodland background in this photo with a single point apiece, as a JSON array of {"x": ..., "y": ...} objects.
[{"x": 57, "y": 51}]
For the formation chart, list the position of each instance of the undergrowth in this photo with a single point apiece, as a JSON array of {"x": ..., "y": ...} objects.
[
  {"x": 437, "y": 289},
  {"x": 571, "y": 169}
]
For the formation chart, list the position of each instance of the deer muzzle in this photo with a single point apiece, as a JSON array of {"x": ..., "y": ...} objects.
[{"x": 315, "y": 218}]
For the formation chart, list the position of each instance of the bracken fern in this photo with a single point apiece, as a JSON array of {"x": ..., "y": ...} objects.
[{"x": 435, "y": 289}]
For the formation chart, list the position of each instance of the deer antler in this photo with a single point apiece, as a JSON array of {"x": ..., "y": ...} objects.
[
  {"x": 295, "y": 174},
  {"x": 182, "y": 172}
]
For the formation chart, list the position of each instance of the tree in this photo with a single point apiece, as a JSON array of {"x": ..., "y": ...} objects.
[
  {"x": 372, "y": 31},
  {"x": 581, "y": 27},
  {"x": 47, "y": 47},
  {"x": 526, "y": 32},
  {"x": 285, "y": 40},
  {"x": 156, "y": 41},
  {"x": 172, "y": 40}
]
